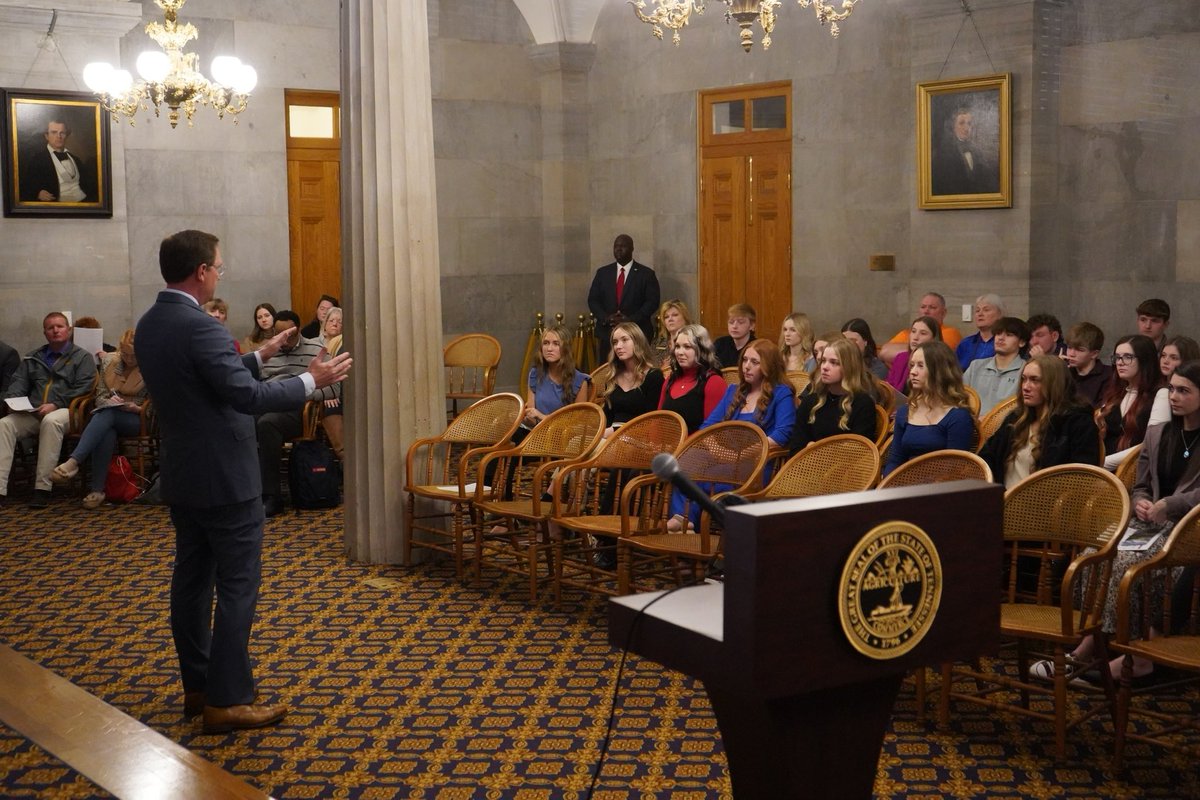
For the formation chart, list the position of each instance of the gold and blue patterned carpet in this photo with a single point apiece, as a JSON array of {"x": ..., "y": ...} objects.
[{"x": 405, "y": 684}]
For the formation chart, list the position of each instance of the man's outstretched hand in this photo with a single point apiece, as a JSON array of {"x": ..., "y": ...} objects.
[{"x": 331, "y": 371}]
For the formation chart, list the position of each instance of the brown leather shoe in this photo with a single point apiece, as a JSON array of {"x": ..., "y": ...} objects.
[
  {"x": 219, "y": 719},
  {"x": 193, "y": 704}
]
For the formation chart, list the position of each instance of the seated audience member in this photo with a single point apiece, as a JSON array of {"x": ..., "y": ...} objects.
[
  {"x": 553, "y": 381},
  {"x": 995, "y": 379},
  {"x": 218, "y": 309},
  {"x": 989, "y": 308},
  {"x": 264, "y": 328},
  {"x": 923, "y": 329},
  {"x": 795, "y": 342},
  {"x": 1129, "y": 406},
  {"x": 1177, "y": 350},
  {"x": 276, "y": 428},
  {"x": 332, "y": 415},
  {"x": 672, "y": 315},
  {"x": 741, "y": 332},
  {"x": 1084, "y": 342},
  {"x": 695, "y": 386},
  {"x": 839, "y": 398},
  {"x": 1167, "y": 487},
  {"x": 762, "y": 397},
  {"x": 1153, "y": 317},
  {"x": 1045, "y": 335},
  {"x": 119, "y": 397},
  {"x": 49, "y": 377},
  {"x": 819, "y": 345},
  {"x": 858, "y": 331},
  {"x": 932, "y": 305},
  {"x": 630, "y": 383},
  {"x": 313, "y": 329},
  {"x": 9, "y": 361},
  {"x": 1050, "y": 426},
  {"x": 937, "y": 416},
  {"x": 93, "y": 324}
]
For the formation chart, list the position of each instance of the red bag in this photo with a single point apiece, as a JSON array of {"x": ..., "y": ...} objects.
[{"x": 121, "y": 485}]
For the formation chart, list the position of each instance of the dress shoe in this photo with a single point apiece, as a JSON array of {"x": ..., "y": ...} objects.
[
  {"x": 272, "y": 505},
  {"x": 222, "y": 719},
  {"x": 193, "y": 704},
  {"x": 40, "y": 499}
]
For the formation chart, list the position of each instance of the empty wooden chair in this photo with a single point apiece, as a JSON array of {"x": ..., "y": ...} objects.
[
  {"x": 509, "y": 516},
  {"x": 731, "y": 454},
  {"x": 588, "y": 496},
  {"x": 843, "y": 463},
  {"x": 439, "y": 471},
  {"x": 938, "y": 466},
  {"x": 471, "y": 361}
]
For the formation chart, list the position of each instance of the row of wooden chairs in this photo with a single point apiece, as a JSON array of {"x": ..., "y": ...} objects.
[{"x": 563, "y": 501}]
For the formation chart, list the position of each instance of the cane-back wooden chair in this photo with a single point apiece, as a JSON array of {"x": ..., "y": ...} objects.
[
  {"x": 938, "y": 466},
  {"x": 731, "y": 455},
  {"x": 1174, "y": 575},
  {"x": 509, "y": 516},
  {"x": 440, "y": 475},
  {"x": 973, "y": 401},
  {"x": 470, "y": 361},
  {"x": 991, "y": 421},
  {"x": 588, "y": 498},
  {"x": 846, "y": 462},
  {"x": 1072, "y": 515},
  {"x": 1127, "y": 470}
]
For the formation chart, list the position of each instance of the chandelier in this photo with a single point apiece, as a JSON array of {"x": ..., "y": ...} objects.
[
  {"x": 675, "y": 14},
  {"x": 170, "y": 77}
]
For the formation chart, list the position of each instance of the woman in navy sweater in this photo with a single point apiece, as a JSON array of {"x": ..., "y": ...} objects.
[{"x": 937, "y": 416}]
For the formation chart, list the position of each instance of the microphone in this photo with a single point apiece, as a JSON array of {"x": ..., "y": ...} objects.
[{"x": 666, "y": 467}]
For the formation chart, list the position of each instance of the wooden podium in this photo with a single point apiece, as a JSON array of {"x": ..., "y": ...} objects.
[{"x": 802, "y": 698}]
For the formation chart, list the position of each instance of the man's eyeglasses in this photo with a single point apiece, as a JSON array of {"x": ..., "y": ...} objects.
[
  {"x": 1124, "y": 358},
  {"x": 220, "y": 270}
]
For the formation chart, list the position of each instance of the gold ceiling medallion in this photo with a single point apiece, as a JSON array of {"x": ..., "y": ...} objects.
[
  {"x": 890, "y": 590},
  {"x": 675, "y": 15}
]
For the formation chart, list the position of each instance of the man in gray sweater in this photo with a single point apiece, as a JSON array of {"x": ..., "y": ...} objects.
[{"x": 276, "y": 428}]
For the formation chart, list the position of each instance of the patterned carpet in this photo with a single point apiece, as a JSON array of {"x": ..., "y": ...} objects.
[{"x": 405, "y": 684}]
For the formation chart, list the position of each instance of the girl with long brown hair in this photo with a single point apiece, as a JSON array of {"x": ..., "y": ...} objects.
[
  {"x": 937, "y": 416},
  {"x": 839, "y": 400},
  {"x": 1129, "y": 406}
]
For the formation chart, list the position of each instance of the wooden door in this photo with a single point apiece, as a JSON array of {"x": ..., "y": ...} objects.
[
  {"x": 314, "y": 198},
  {"x": 745, "y": 208}
]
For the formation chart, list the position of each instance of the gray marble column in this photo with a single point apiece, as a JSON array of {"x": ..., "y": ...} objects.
[
  {"x": 563, "y": 79},
  {"x": 390, "y": 267}
]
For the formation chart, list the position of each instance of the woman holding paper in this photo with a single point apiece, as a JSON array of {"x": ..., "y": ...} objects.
[{"x": 1167, "y": 487}]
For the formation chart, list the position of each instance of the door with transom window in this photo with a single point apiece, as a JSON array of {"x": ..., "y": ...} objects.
[{"x": 745, "y": 207}]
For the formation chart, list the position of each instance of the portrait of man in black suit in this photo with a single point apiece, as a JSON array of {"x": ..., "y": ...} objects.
[
  {"x": 623, "y": 291},
  {"x": 966, "y": 144},
  {"x": 57, "y": 157}
]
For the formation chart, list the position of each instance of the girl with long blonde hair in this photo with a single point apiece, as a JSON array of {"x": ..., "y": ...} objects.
[
  {"x": 629, "y": 384},
  {"x": 839, "y": 398},
  {"x": 796, "y": 341}
]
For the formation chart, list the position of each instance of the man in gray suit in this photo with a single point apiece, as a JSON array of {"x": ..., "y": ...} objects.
[{"x": 206, "y": 396}]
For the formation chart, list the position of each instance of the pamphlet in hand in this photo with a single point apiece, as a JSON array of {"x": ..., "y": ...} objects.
[
  {"x": 1138, "y": 536},
  {"x": 18, "y": 404}
]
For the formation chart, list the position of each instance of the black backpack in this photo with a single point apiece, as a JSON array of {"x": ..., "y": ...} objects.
[{"x": 315, "y": 476}]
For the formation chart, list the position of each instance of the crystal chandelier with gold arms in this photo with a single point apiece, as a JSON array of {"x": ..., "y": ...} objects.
[
  {"x": 675, "y": 14},
  {"x": 170, "y": 76}
]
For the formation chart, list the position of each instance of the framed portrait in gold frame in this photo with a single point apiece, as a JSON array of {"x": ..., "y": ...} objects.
[
  {"x": 964, "y": 143},
  {"x": 57, "y": 157}
]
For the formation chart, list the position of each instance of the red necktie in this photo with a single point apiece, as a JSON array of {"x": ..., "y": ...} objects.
[{"x": 620, "y": 284}]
